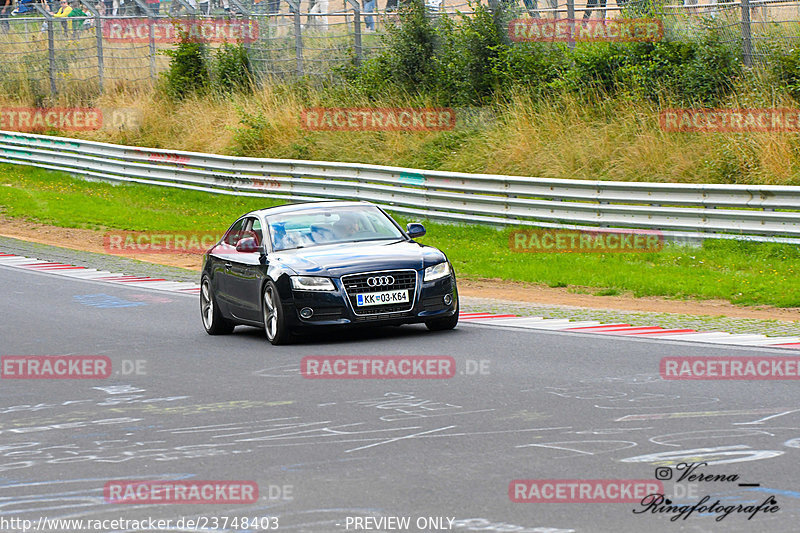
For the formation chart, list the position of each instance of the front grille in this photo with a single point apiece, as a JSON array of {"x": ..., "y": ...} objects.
[
  {"x": 403, "y": 280},
  {"x": 382, "y": 316}
]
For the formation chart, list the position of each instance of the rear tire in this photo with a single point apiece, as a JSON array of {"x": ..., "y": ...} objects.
[
  {"x": 213, "y": 321},
  {"x": 274, "y": 318}
]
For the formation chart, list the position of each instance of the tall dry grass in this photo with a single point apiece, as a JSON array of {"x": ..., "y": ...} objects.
[{"x": 565, "y": 137}]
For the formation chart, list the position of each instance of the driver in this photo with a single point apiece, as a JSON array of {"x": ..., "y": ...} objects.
[{"x": 346, "y": 227}]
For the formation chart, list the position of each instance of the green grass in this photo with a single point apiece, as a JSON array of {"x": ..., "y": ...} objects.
[{"x": 740, "y": 272}]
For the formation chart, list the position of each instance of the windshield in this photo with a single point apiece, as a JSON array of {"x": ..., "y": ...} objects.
[{"x": 330, "y": 226}]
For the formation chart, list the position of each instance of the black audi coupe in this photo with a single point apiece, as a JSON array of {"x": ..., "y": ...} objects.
[{"x": 323, "y": 264}]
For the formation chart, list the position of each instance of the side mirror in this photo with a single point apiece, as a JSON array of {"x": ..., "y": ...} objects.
[
  {"x": 415, "y": 230},
  {"x": 247, "y": 245}
]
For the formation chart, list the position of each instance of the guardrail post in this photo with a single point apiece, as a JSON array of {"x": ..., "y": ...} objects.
[
  {"x": 294, "y": 6},
  {"x": 51, "y": 48},
  {"x": 357, "y": 30}
]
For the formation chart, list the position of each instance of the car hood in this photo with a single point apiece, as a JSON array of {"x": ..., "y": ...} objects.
[{"x": 336, "y": 260}]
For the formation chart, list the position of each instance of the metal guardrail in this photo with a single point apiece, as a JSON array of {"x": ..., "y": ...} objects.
[{"x": 680, "y": 211}]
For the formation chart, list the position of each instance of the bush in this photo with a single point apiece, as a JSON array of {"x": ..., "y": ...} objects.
[
  {"x": 407, "y": 58},
  {"x": 468, "y": 52},
  {"x": 232, "y": 69},
  {"x": 532, "y": 66},
  {"x": 470, "y": 61},
  {"x": 786, "y": 67},
  {"x": 692, "y": 72},
  {"x": 188, "y": 68}
]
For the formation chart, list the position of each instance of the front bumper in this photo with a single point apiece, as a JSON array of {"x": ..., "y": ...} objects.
[{"x": 334, "y": 308}]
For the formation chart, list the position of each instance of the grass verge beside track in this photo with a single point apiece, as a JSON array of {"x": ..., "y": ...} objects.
[{"x": 740, "y": 272}]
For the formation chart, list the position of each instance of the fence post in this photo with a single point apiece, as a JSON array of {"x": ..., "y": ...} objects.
[
  {"x": 294, "y": 6},
  {"x": 357, "y": 30},
  {"x": 571, "y": 17},
  {"x": 98, "y": 31},
  {"x": 747, "y": 43},
  {"x": 152, "y": 41},
  {"x": 51, "y": 48}
]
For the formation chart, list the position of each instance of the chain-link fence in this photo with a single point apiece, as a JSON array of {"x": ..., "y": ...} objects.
[{"x": 87, "y": 45}]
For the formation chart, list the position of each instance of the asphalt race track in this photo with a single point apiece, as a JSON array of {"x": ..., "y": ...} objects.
[{"x": 336, "y": 455}]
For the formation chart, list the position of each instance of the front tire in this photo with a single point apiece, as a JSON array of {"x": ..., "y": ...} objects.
[
  {"x": 274, "y": 318},
  {"x": 213, "y": 321},
  {"x": 442, "y": 324}
]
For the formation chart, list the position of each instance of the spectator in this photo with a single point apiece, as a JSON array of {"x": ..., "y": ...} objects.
[
  {"x": 277, "y": 27},
  {"x": 63, "y": 12},
  {"x": 100, "y": 7},
  {"x": 176, "y": 7},
  {"x": 592, "y": 4},
  {"x": 391, "y": 5},
  {"x": 320, "y": 19},
  {"x": 5, "y": 12},
  {"x": 77, "y": 12},
  {"x": 369, "y": 20},
  {"x": 532, "y": 7},
  {"x": 24, "y": 6}
]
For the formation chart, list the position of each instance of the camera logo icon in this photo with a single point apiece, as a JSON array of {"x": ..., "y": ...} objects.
[{"x": 663, "y": 473}]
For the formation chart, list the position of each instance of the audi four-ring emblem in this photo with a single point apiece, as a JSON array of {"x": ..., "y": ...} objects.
[{"x": 380, "y": 281}]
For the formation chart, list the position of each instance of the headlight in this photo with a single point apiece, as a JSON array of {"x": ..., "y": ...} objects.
[
  {"x": 437, "y": 271},
  {"x": 311, "y": 283}
]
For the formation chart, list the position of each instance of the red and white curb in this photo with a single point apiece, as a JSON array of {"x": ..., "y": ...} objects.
[
  {"x": 507, "y": 320},
  {"x": 653, "y": 332},
  {"x": 79, "y": 272}
]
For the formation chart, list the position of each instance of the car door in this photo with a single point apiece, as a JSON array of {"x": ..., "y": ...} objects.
[
  {"x": 244, "y": 275},
  {"x": 222, "y": 255}
]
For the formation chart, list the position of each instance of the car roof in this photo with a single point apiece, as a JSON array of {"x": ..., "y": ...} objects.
[{"x": 308, "y": 206}]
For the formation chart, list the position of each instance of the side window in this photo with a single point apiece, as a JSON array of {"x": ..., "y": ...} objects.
[
  {"x": 233, "y": 235},
  {"x": 256, "y": 229}
]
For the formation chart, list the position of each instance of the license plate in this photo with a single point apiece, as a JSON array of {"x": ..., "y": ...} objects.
[{"x": 382, "y": 298}]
